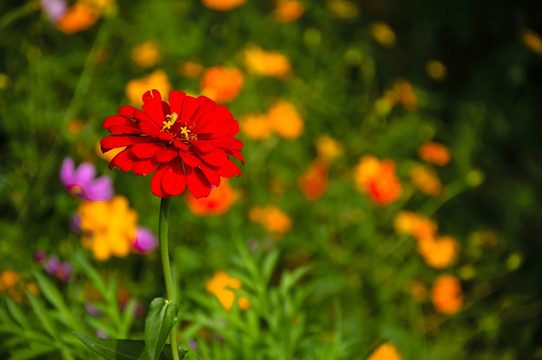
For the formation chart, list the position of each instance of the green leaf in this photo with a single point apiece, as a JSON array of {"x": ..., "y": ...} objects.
[
  {"x": 160, "y": 320},
  {"x": 113, "y": 349},
  {"x": 41, "y": 312},
  {"x": 17, "y": 313},
  {"x": 93, "y": 275}
]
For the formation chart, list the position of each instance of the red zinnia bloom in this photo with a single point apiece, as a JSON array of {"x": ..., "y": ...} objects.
[{"x": 187, "y": 142}]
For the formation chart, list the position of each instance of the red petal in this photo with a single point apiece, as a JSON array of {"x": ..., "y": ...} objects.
[
  {"x": 226, "y": 143},
  {"x": 190, "y": 159},
  {"x": 132, "y": 112},
  {"x": 165, "y": 136},
  {"x": 166, "y": 155},
  {"x": 123, "y": 160},
  {"x": 216, "y": 157},
  {"x": 145, "y": 166},
  {"x": 146, "y": 151},
  {"x": 202, "y": 146},
  {"x": 210, "y": 174},
  {"x": 176, "y": 101},
  {"x": 228, "y": 170},
  {"x": 174, "y": 181},
  {"x": 153, "y": 107},
  {"x": 121, "y": 125},
  {"x": 236, "y": 154},
  {"x": 156, "y": 187},
  {"x": 115, "y": 141},
  {"x": 222, "y": 113},
  {"x": 149, "y": 127},
  {"x": 206, "y": 124},
  {"x": 180, "y": 145},
  {"x": 193, "y": 109},
  {"x": 197, "y": 182}
]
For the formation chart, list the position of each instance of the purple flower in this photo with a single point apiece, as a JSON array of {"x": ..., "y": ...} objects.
[
  {"x": 80, "y": 181},
  {"x": 39, "y": 256},
  {"x": 101, "y": 334},
  {"x": 54, "y": 9},
  {"x": 145, "y": 241},
  {"x": 59, "y": 269},
  {"x": 92, "y": 309}
]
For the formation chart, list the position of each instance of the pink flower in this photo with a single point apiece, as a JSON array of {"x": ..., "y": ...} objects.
[
  {"x": 145, "y": 241},
  {"x": 80, "y": 181}
]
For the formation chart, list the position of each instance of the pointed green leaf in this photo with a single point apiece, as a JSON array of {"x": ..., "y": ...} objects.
[
  {"x": 17, "y": 313},
  {"x": 113, "y": 349},
  {"x": 41, "y": 312},
  {"x": 160, "y": 320}
]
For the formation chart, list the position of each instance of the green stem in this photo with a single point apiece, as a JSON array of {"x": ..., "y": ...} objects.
[{"x": 164, "y": 253}]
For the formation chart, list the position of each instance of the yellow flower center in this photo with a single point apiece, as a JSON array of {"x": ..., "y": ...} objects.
[{"x": 170, "y": 121}]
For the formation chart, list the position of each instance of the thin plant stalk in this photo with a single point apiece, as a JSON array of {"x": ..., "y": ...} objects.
[{"x": 164, "y": 253}]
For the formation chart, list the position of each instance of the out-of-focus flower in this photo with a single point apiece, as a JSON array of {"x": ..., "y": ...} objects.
[
  {"x": 223, "y": 5},
  {"x": 147, "y": 54},
  {"x": 425, "y": 180},
  {"x": 188, "y": 142},
  {"x": 343, "y": 9},
  {"x": 532, "y": 41},
  {"x": 222, "y": 84},
  {"x": 255, "y": 127},
  {"x": 39, "y": 256},
  {"x": 220, "y": 285},
  {"x": 59, "y": 269},
  {"x": 190, "y": 69},
  {"x": 435, "y": 70},
  {"x": 79, "y": 17},
  {"x": 288, "y": 10},
  {"x": 75, "y": 126},
  {"x": 145, "y": 241},
  {"x": 266, "y": 63},
  {"x": 383, "y": 34},
  {"x": 54, "y": 9},
  {"x": 109, "y": 227},
  {"x": 386, "y": 351},
  {"x": 314, "y": 182},
  {"x": 434, "y": 153},
  {"x": 108, "y": 156},
  {"x": 12, "y": 284},
  {"x": 80, "y": 181},
  {"x": 328, "y": 148},
  {"x": 218, "y": 202},
  {"x": 407, "y": 96},
  {"x": 378, "y": 180},
  {"x": 285, "y": 120},
  {"x": 156, "y": 80},
  {"x": 418, "y": 291},
  {"x": 438, "y": 252},
  {"x": 418, "y": 226},
  {"x": 447, "y": 295},
  {"x": 271, "y": 218}
]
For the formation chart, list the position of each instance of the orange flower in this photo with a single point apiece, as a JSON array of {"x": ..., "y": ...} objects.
[
  {"x": 288, "y": 10},
  {"x": 271, "y": 218},
  {"x": 425, "y": 180},
  {"x": 190, "y": 69},
  {"x": 328, "y": 148},
  {"x": 386, "y": 351},
  {"x": 285, "y": 120},
  {"x": 447, "y": 295},
  {"x": 223, "y": 5},
  {"x": 218, "y": 202},
  {"x": 79, "y": 17},
  {"x": 438, "y": 252},
  {"x": 435, "y": 153},
  {"x": 532, "y": 41},
  {"x": 156, "y": 80},
  {"x": 12, "y": 284},
  {"x": 407, "y": 96},
  {"x": 222, "y": 84},
  {"x": 75, "y": 126},
  {"x": 377, "y": 179},
  {"x": 220, "y": 285},
  {"x": 409, "y": 223},
  {"x": 255, "y": 127},
  {"x": 418, "y": 291},
  {"x": 314, "y": 182},
  {"x": 147, "y": 54},
  {"x": 266, "y": 63}
]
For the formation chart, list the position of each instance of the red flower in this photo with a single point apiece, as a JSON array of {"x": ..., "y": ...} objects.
[{"x": 187, "y": 142}]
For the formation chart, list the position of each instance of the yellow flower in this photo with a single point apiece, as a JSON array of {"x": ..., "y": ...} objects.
[
  {"x": 447, "y": 295},
  {"x": 436, "y": 70},
  {"x": 342, "y": 8},
  {"x": 108, "y": 156},
  {"x": 220, "y": 285},
  {"x": 288, "y": 10},
  {"x": 223, "y": 5},
  {"x": 271, "y": 218},
  {"x": 266, "y": 63},
  {"x": 156, "y": 80},
  {"x": 328, "y": 148},
  {"x": 532, "y": 41},
  {"x": 285, "y": 120},
  {"x": 425, "y": 180},
  {"x": 438, "y": 252},
  {"x": 383, "y": 34},
  {"x": 386, "y": 351},
  {"x": 255, "y": 127},
  {"x": 418, "y": 226},
  {"x": 109, "y": 227},
  {"x": 147, "y": 54}
]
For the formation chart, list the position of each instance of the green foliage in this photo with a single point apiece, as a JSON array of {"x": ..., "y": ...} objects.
[{"x": 162, "y": 317}]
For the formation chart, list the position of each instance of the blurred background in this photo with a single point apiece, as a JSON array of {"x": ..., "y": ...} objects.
[{"x": 393, "y": 169}]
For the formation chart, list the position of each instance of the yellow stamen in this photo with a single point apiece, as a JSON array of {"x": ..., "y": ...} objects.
[
  {"x": 171, "y": 120},
  {"x": 184, "y": 131}
]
